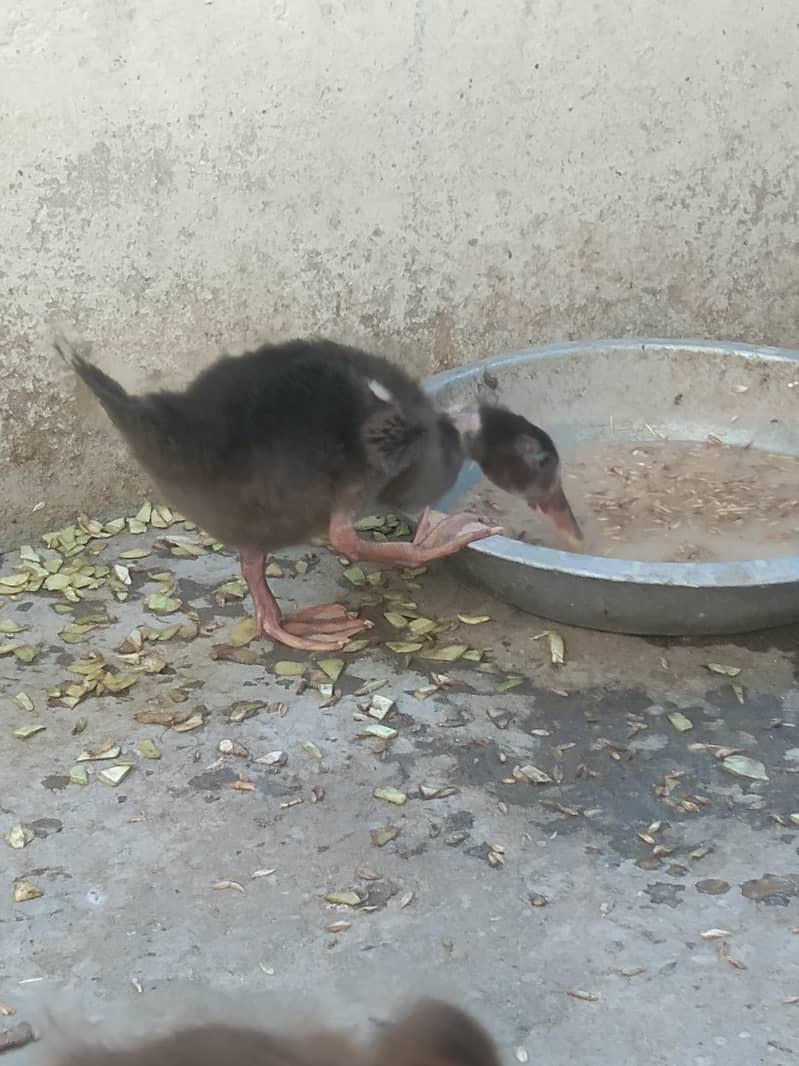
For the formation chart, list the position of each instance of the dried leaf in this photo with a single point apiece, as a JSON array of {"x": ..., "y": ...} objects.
[
  {"x": 287, "y": 668},
  {"x": 25, "y": 732},
  {"x": 632, "y": 971},
  {"x": 420, "y": 627},
  {"x": 23, "y": 700},
  {"x": 194, "y": 721},
  {"x": 227, "y": 653},
  {"x": 398, "y": 621},
  {"x": 148, "y": 749},
  {"x": 577, "y": 993},
  {"x": 25, "y": 891},
  {"x": 449, "y": 654},
  {"x": 380, "y": 707},
  {"x": 243, "y": 633},
  {"x": 106, "y": 749},
  {"x": 231, "y": 747},
  {"x": 382, "y": 732},
  {"x": 220, "y": 886},
  {"x": 114, "y": 775},
  {"x": 436, "y": 790},
  {"x": 726, "y": 671},
  {"x": 355, "y": 576},
  {"x": 354, "y": 646},
  {"x": 240, "y": 785},
  {"x": 135, "y": 553},
  {"x": 715, "y": 934},
  {"x": 510, "y": 683},
  {"x": 312, "y": 750},
  {"x": 739, "y": 692},
  {"x": 273, "y": 758},
  {"x": 532, "y": 774},
  {"x": 241, "y": 710},
  {"x": 161, "y": 603},
  {"x": 680, "y": 722},
  {"x": 9, "y": 628},
  {"x": 743, "y": 766},
  {"x": 333, "y": 668},
  {"x": 19, "y": 836},
  {"x": 403, "y": 647},
  {"x": 384, "y": 835},
  {"x": 390, "y": 795},
  {"x": 26, "y": 653},
  {"x": 723, "y": 952},
  {"x": 557, "y": 649},
  {"x": 344, "y": 899},
  {"x": 78, "y": 775},
  {"x": 263, "y": 873},
  {"x": 338, "y": 927}
]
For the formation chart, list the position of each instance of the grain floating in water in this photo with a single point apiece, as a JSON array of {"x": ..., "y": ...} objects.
[{"x": 665, "y": 501}]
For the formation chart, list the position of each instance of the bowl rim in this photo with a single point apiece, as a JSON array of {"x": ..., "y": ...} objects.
[{"x": 746, "y": 573}]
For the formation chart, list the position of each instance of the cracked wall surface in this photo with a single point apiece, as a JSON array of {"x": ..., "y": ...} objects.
[{"x": 437, "y": 181}]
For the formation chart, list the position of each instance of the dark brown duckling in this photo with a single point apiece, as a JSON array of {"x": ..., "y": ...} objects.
[
  {"x": 431, "y": 1034},
  {"x": 521, "y": 459},
  {"x": 294, "y": 440}
]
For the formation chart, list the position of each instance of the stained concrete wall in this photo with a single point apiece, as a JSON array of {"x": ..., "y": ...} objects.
[{"x": 438, "y": 180}]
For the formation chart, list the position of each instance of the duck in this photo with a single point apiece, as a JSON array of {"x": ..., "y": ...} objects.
[
  {"x": 431, "y": 1033},
  {"x": 295, "y": 440}
]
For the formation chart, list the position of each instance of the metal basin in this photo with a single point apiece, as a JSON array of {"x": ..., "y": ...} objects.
[{"x": 622, "y": 390}]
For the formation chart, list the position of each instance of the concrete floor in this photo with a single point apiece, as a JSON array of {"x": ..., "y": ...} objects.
[{"x": 609, "y": 966}]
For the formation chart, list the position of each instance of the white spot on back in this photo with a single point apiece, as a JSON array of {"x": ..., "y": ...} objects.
[{"x": 380, "y": 391}]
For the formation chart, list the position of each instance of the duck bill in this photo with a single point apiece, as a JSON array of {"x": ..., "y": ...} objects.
[{"x": 556, "y": 510}]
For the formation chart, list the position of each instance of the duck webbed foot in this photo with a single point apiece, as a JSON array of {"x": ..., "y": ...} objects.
[
  {"x": 437, "y": 535},
  {"x": 327, "y": 627}
]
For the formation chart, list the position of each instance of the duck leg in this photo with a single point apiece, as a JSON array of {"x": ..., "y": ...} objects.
[
  {"x": 324, "y": 628},
  {"x": 436, "y": 536}
]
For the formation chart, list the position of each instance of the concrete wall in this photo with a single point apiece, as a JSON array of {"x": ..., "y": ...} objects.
[{"x": 437, "y": 180}]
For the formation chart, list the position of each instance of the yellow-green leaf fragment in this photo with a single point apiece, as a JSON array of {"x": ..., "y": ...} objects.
[
  {"x": 79, "y": 775},
  {"x": 420, "y": 627},
  {"x": 739, "y": 691},
  {"x": 448, "y": 654},
  {"x": 474, "y": 619},
  {"x": 355, "y": 576},
  {"x": 114, "y": 775},
  {"x": 242, "y": 633},
  {"x": 135, "y": 553},
  {"x": 743, "y": 766},
  {"x": 680, "y": 722},
  {"x": 354, "y": 646},
  {"x": 274, "y": 570},
  {"x": 509, "y": 682},
  {"x": 383, "y": 835},
  {"x": 344, "y": 899},
  {"x": 311, "y": 750},
  {"x": 725, "y": 671},
  {"x": 398, "y": 621},
  {"x": 382, "y": 732},
  {"x": 148, "y": 749},
  {"x": 26, "y": 653},
  {"x": 23, "y": 700},
  {"x": 19, "y": 836},
  {"x": 287, "y": 668},
  {"x": 25, "y": 732},
  {"x": 160, "y": 603},
  {"x": 25, "y": 891},
  {"x": 333, "y": 668},
  {"x": 117, "y": 683},
  {"x": 9, "y": 627},
  {"x": 389, "y": 794},
  {"x": 403, "y": 647}
]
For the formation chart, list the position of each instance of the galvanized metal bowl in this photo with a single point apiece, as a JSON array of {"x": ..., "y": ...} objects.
[{"x": 624, "y": 390}]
